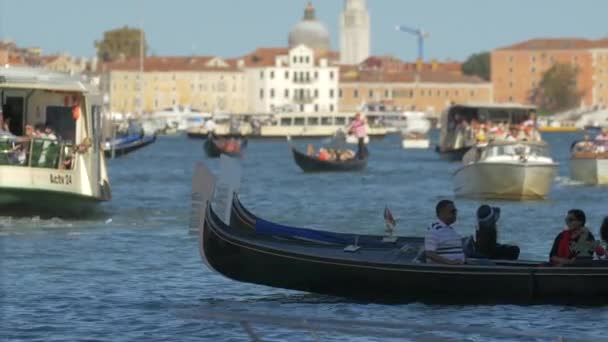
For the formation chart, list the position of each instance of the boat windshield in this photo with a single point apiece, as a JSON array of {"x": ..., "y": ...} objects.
[{"x": 516, "y": 149}]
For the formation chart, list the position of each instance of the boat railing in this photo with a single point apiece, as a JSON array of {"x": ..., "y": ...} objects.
[{"x": 36, "y": 152}]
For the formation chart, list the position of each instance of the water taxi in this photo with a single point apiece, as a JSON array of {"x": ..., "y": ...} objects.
[
  {"x": 512, "y": 170},
  {"x": 589, "y": 162},
  {"x": 51, "y": 160}
]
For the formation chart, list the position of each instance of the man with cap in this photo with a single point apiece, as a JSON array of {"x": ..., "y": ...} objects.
[{"x": 486, "y": 235}]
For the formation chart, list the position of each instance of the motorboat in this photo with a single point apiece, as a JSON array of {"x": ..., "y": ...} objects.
[
  {"x": 589, "y": 162},
  {"x": 372, "y": 268},
  {"x": 514, "y": 170},
  {"x": 414, "y": 134},
  {"x": 61, "y": 171},
  {"x": 464, "y": 125}
]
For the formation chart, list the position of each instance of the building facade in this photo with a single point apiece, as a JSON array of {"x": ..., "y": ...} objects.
[
  {"x": 204, "y": 83},
  {"x": 354, "y": 32},
  {"x": 394, "y": 85},
  {"x": 517, "y": 69},
  {"x": 291, "y": 80}
]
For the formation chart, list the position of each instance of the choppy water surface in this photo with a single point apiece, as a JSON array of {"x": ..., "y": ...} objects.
[{"x": 132, "y": 272}]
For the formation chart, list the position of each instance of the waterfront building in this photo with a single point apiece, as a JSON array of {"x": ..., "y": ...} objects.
[
  {"x": 206, "y": 83},
  {"x": 517, "y": 69},
  {"x": 386, "y": 82}
]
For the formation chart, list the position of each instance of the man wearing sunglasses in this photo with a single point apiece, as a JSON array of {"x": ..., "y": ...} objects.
[{"x": 442, "y": 244}]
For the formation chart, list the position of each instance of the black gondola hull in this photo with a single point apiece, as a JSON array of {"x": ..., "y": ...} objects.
[
  {"x": 452, "y": 155},
  {"x": 313, "y": 164},
  {"x": 130, "y": 147},
  {"x": 243, "y": 256},
  {"x": 213, "y": 150}
]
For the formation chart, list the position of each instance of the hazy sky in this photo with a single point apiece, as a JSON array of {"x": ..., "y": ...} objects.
[{"x": 230, "y": 28}]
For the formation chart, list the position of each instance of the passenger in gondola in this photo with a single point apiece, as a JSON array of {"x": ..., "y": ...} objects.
[
  {"x": 323, "y": 154},
  {"x": 576, "y": 243},
  {"x": 310, "y": 150},
  {"x": 442, "y": 244},
  {"x": 604, "y": 233},
  {"x": 486, "y": 237}
]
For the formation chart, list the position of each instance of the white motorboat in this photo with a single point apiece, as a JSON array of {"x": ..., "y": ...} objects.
[
  {"x": 506, "y": 170},
  {"x": 589, "y": 162},
  {"x": 62, "y": 171},
  {"x": 414, "y": 134}
]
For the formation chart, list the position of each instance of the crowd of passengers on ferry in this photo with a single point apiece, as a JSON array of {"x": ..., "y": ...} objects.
[
  {"x": 16, "y": 149},
  {"x": 473, "y": 132}
]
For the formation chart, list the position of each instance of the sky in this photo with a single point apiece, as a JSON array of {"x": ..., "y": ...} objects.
[{"x": 232, "y": 28}]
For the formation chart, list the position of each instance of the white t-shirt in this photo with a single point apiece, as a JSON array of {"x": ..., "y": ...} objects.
[{"x": 445, "y": 241}]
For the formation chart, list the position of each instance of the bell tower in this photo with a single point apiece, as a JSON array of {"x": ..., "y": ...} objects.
[{"x": 354, "y": 32}]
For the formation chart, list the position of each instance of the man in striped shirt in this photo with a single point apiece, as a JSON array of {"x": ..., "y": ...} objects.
[{"x": 442, "y": 244}]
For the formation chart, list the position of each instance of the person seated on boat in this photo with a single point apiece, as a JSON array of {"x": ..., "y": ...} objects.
[
  {"x": 585, "y": 145},
  {"x": 603, "y": 136},
  {"x": 485, "y": 244},
  {"x": 575, "y": 243},
  {"x": 323, "y": 154},
  {"x": 481, "y": 135},
  {"x": 346, "y": 154},
  {"x": 49, "y": 134},
  {"x": 310, "y": 150},
  {"x": 604, "y": 234},
  {"x": 231, "y": 145},
  {"x": 442, "y": 244}
]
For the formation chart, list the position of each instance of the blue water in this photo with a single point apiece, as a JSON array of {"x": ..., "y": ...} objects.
[{"x": 132, "y": 271}]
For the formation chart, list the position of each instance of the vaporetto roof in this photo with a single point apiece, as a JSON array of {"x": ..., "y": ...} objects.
[{"x": 12, "y": 77}]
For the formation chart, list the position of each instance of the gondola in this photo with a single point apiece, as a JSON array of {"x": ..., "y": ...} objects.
[
  {"x": 214, "y": 146},
  {"x": 368, "y": 268},
  {"x": 127, "y": 144},
  {"x": 310, "y": 163},
  {"x": 454, "y": 155}
]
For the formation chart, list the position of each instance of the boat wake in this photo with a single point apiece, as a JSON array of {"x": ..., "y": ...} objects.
[{"x": 567, "y": 181}]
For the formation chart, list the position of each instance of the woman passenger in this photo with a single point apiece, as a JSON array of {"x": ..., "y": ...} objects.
[{"x": 574, "y": 243}]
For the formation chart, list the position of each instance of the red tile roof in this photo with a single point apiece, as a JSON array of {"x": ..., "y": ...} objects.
[
  {"x": 558, "y": 44},
  {"x": 173, "y": 63},
  {"x": 350, "y": 74}
]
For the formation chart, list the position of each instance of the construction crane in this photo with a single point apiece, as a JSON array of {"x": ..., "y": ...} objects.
[{"x": 421, "y": 37}]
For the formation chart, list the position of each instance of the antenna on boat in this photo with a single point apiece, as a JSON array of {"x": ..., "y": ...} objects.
[{"x": 390, "y": 223}]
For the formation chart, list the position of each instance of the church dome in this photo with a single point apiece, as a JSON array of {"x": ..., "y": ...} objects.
[{"x": 310, "y": 32}]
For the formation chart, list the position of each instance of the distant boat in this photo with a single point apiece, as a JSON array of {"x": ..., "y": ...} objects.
[
  {"x": 506, "y": 170},
  {"x": 127, "y": 144},
  {"x": 231, "y": 146},
  {"x": 589, "y": 162},
  {"x": 414, "y": 133},
  {"x": 312, "y": 163},
  {"x": 176, "y": 119}
]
